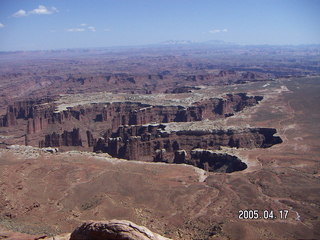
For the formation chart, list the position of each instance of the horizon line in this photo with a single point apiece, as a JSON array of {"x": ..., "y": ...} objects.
[{"x": 167, "y": 44}]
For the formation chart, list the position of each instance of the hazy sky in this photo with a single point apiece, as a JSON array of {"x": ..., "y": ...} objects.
[{"x": 54, "y": 24}]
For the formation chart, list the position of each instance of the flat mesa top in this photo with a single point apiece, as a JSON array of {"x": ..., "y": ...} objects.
[
  {"x": 171, "y": 99},
  {"x": 181, "y": 99}
]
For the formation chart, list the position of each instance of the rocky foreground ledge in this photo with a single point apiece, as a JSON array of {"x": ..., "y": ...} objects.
[
  {"x": 114, "y": 229},
  {"x": 102, "y": 230}
]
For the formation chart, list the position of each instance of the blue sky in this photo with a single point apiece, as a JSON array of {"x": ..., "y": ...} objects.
[{"x": 55, "y": 24}]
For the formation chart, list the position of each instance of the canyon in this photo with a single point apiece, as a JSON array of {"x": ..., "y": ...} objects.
[
  {"x": 178, "y": 140},
  {"x": 130, "y": 130}
]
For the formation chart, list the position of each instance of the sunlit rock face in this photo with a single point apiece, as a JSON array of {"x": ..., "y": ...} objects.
[{"x": 114, "y": 229}]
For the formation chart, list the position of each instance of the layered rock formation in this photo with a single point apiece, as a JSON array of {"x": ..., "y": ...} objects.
[
  {"x": 153, "y": 143},
  {"x": 121, "y": 129},
  {"x": 44, "y": 126},
  {"x": 210, "y": 161},
  {"x": 33, "y": 110},
  {"x": 65, "y": 139}
]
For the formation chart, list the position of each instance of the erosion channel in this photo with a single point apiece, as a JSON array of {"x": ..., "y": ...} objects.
[{"x": 138, "y": 130}]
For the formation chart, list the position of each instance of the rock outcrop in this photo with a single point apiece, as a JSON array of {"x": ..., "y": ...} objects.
[
  {"x": 44, "y": 126},
  {"x": 214, "y": 162},
  {"x": 71, "y": 138},
  {"x": 123, "y": 129},
  {"x": 94, "y": 230},
  {"x": 31, "y": 109},
  {"x": 154, "y": 143},
  {"x": 112, "y": 230}
]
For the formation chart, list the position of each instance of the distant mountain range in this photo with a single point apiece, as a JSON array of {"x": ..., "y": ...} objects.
[
  {"x": 172, "y": 44},
  {"x": 188, "y": 42}
]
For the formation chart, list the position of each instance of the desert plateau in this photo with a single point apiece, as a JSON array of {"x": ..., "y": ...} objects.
[
  {"x": 159, "y": 120},
  {"x": 183, "y": 157}
]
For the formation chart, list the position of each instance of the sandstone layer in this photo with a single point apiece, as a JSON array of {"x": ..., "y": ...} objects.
[{"x": 39, "y": 123}]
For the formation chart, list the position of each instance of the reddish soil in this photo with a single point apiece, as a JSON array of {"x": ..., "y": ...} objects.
[{"x": 44, "y": 193}]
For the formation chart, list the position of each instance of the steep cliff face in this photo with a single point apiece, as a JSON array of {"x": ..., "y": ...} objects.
[
  {"x": 153, "y": 143},
  {"x": 24, "y": 110},
  {"x": 210, "y": 161},
  {"x": 39, "y": 118},
  {"x": 65, "y": 139},
  {"x": 90, "y": 139},
  {"x": 214, "y": 108},
  {"x": 138, "y": 114},
  {"x": 4, "y": 121}
]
